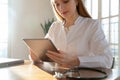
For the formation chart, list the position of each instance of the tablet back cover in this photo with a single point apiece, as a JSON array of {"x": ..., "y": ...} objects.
[{"x": 40, "y": 47}]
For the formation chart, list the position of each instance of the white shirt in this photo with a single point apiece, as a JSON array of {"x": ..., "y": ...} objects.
[{"x": 86, "y": 39}]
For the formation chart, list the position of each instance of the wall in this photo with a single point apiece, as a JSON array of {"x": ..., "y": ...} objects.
[{"x": 25, "y": 17}]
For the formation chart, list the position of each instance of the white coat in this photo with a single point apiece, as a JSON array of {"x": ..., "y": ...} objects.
[{"x": 84, "y": 38}]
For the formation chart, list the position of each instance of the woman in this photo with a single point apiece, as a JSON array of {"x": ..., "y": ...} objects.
[{"x": 79, "y": 39}]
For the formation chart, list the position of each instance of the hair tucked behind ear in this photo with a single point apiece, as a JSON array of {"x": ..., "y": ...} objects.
[{"x": 82, "y": 10}]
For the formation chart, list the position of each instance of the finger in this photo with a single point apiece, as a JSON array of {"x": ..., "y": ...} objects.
[
  {"x": 54, "y": 58},
  {"x": 48, "y": 51},
  {"x": 59, "y": 50},
  {"x": 54, "y": 54}
]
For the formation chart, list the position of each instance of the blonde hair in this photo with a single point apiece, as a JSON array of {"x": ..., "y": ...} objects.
[{"x": 80, "y": 9}]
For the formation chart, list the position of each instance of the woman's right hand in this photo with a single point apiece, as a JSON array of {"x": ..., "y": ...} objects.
[{"x": 33, "y": 57}]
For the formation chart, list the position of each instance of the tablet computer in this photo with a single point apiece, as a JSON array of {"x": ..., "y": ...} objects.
[{"x": 40, "y": 47}]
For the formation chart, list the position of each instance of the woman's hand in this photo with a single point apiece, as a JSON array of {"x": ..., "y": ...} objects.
[
  {"x": 33, "y": 57},
  {"x": 64, "y": 59}
]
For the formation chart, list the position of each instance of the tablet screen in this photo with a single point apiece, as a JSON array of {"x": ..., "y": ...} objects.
[{"x": 40, "y": 47}]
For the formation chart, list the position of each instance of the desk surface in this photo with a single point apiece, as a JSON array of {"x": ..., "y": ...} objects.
[
  {"x": 26, "y": 71},
  {"x": 29, "y": 71}
]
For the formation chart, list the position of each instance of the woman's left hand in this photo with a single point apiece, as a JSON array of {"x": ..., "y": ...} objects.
[{"x": 64, "y": 59}]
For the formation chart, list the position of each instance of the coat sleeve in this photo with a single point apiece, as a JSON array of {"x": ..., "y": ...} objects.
[{"x": 99, "y": 47}]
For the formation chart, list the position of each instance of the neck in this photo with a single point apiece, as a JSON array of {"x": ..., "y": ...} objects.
[{"x": 70, "y": 21}]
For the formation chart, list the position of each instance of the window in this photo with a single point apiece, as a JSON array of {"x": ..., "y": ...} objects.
[
  {"x": 108, "y": 11},
  {"x": 3, "y": 27}
]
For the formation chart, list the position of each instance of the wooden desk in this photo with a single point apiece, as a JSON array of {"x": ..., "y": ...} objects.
[
  {"x": 26, "y": 71},
  {"x": 29, "y": 71}
]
